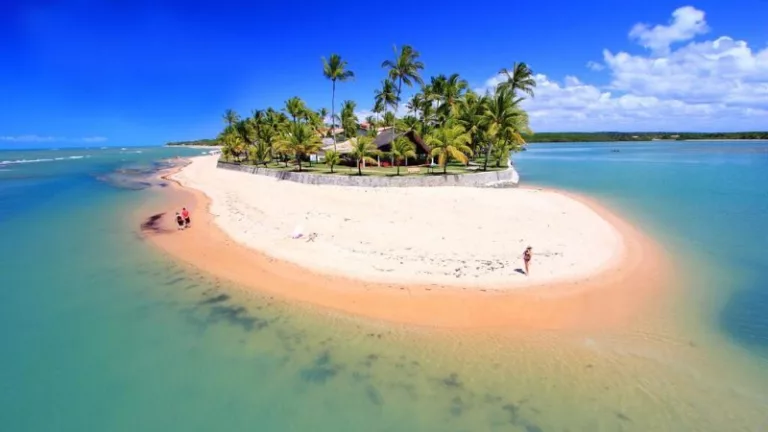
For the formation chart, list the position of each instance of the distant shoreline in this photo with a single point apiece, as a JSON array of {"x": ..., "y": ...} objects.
[
  {"x": 730, "y": 139},
  {"x": 195, "y": 146}
]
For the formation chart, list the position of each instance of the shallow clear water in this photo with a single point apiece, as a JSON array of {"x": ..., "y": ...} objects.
[{"x": 101, "y": 332}]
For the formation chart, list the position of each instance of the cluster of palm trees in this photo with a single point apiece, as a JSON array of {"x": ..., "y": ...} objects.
[{"x": 455, "y": 122}]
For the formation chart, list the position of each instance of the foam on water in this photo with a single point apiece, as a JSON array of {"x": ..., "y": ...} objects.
[{"x": 28, "y": 161}]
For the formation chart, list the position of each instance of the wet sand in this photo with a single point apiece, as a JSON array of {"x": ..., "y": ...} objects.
[{"x": 611, "y": 297}]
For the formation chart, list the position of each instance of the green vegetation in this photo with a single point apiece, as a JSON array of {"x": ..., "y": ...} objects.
[
  {"x": 373, "y": 170},
  {"x": 201, "y": 142},
  {"x": 446, "y": 122}
]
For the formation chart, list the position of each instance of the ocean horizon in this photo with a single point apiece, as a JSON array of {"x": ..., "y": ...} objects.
[{"x": 104, "y": 332}]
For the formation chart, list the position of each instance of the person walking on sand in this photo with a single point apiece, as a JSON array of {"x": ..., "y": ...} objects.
[
  {"x": 179, "y": 221},
  {"x": 527, "y": 255},
  {"x": 185, "y": 215}
]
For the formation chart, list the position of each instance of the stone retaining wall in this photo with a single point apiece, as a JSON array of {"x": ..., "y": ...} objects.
[{"x": 506, "y": 178}]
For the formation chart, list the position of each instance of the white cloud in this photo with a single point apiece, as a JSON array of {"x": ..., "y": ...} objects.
[
  {"x": 717, "y": 84},
  {"x": 42, "y": 138},
  {"x": 595, "y": 66},
  {"x": 686, "y": 23}
]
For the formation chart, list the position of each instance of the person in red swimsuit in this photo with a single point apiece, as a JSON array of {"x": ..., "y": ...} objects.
[{"x": 185, "y": 215}]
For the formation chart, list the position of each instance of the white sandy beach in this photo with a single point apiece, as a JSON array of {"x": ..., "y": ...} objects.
[{"x": 441, "y": 236}]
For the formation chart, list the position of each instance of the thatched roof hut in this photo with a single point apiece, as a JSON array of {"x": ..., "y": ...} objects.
[{"x": 384, "y": 140}]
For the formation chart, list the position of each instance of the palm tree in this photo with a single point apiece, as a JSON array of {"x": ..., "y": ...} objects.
[
  {"x": 261, "y": 153},
  {"x": 404, "y": 69},
  {"x": 408, "y": 123},
  {"x": 233, "y": 144},
  {"x": 226, "y": 151},
  {"x": 450, "y": 141},
  {"x": 299, "y": 142},
  {"x": 230, "y": 117},
  {"x": 451, "y": 92},
  {"x": 332, "y": 157},
  {"x": 348, "y": 118},
  {"x": 503, "y": 119},
  {"x": 335, "y": 69},
  {"x": 402, "y": 148},
  {"x": 386, "y": 97},
  {"x": 362, "y": 151},
  {"x": 470, "y": 109},
  {"x": 378, "y": 108},
  {"x": 245, "y": 128},
  {"x": 323, "y": 114},
  {"x": 520, "y": 78},
  {"x": 389, "y": 119},
  {"x": 268, "y": 136},
  {"x": 295, "y": 107}
]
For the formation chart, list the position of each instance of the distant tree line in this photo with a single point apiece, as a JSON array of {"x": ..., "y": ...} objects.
[
  {"x": 200, "y": 142},
  {"x": 542, "y": 137}
]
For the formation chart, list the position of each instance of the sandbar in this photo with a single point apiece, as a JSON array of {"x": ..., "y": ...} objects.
[{"x": 444, "y": 257}]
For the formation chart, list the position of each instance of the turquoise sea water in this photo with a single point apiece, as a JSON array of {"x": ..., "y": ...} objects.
[{"x": 99, "y": 331}]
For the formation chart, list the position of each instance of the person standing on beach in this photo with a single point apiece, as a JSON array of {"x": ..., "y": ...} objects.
[
  {"x": 527, "y": 255},
  {"x": 185, "y": 215}
]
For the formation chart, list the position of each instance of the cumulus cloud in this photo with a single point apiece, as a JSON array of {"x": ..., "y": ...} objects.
[
  {"x": 717, "y": 84},
  {"x": 686, "y": 23},
  {"x": 43, "y": 138}
]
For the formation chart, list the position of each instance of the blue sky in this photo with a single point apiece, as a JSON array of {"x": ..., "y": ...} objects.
[{"x": 144, "y": 73}]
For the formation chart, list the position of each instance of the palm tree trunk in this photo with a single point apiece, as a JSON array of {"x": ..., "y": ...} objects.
[
  {"x": 298, "y": 161},
  {"x": 397, "y": 106},
  {"x": 333, "y": 114},
  {"x": 487, "y": 154},
  {"x": 359, "y": 168},
  {"x": 398, "y": 169}
]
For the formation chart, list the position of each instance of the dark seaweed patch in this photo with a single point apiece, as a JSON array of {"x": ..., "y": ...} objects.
[
  {"x": 373, "y": 395},
  {"x": 175, "y": 281},
  {"x": 237, "y": 316},
  {"x": 321, "y": 369},
  {"x": 218, "y": 299},
  {"x": 513, "y": 411},
  {"x": 152, "y": 223},
  {"x": 369, "y": 360},
  {"x": 452, "y": 380},
  {"x": 623, "y": 416}
]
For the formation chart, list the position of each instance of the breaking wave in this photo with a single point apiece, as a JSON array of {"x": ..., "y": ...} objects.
[{"x": 26, "y": 161}]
